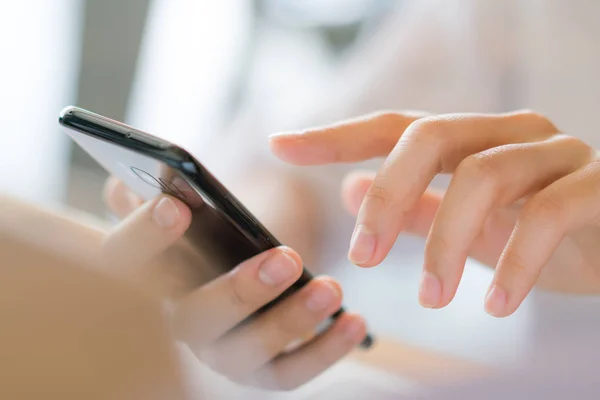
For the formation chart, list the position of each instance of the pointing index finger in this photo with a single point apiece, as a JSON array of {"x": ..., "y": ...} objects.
[{"x": 352, "y": 140}]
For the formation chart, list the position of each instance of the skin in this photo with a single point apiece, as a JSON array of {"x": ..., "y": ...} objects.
[
  {"x": 83, "y": 315},
  {"x": 70, "y": 331},
  {"x": 206, "y": 313},
  {"x": 524, "y": 198},
  {"x": 146, "y": 251}
]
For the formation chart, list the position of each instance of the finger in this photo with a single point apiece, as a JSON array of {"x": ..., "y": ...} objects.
[
  {"x": 486, "y": 248},
  {"x": 418, "y": 220},
  {"x": 291, "y": 370},
  {"x": 566, "y": 205},
  {"x": 428, "y": 147},
  {"x": 349, "y": 141},
  {"x": 119, "y": 198},
  {"x": 354, "y": 189},
  {"x": 482, "y": 182},
  {"x": 213, "y": 309},
  {"x": 253, "y": 345},
  {"x": 145, "y": 234}
]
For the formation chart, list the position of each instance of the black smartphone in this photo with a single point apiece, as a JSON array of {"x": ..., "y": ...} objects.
[{"x": 223, "y": 232}]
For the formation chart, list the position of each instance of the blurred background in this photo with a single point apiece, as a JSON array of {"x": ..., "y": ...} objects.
[
  {"x": 94, "y": 53},
  {"x": 218, "y": 77}
]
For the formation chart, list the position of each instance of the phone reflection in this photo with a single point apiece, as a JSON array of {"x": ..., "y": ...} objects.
[
  {"x": 211, "y": 235},
  {"x": 170, "y": 182}
]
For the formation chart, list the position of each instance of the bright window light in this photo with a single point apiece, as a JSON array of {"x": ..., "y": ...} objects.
[{"x": 39, "y": 43}]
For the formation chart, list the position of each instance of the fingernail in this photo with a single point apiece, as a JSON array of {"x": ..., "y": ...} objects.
[
  {"x": 495, "y": 301},
  {"x": 353, "y": 330},
  {"x": 277, "y": 268},
  {"x": 321, "y": 297},
  {"x": 430, "y": 291},
  {"x": 362, "y": 246},
  {"x": 166, "y": 213}
]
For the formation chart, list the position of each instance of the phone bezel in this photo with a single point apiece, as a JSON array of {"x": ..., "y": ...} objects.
[
  {"x": 115, "y": 132},
  {"x": 104, "y": 128}
]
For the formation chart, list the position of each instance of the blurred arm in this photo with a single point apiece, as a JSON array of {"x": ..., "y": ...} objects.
[
  {"x": 69, "y": 332},
  {"x": 73, "y": 235}
]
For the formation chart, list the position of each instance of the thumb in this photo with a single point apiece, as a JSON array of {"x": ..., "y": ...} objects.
[{"x": 145, "y": 234}]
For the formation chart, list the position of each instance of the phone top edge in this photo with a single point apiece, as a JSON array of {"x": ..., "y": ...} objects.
[
  {"x": 64, "y": 112},
  {"x": 86, "y": 122},
  {"x": 71, "y": 113},
  {"x": 100, "y": 127}
]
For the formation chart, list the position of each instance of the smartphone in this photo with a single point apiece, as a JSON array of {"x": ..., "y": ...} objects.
[{"x": 223, "y": 232}]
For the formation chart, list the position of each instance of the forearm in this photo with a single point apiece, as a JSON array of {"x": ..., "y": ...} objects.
[
  {"x": 49, "y": 230},
  {"x": 70, "y": 333}
]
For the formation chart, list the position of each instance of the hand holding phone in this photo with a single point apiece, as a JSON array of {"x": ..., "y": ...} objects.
[
  {"x": 223, "y": 232},
  {"x": 149, "y": 245},
  {"x": 227, "y": 246}
]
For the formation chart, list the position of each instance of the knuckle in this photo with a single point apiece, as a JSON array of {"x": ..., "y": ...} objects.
[
  {"x": 430, "y": 131},
  {"x": 390, "y": 125},
  {"x": 546, "y": 211},
  {"x": 239, "y": 294},
  {"x": 480, "y": 169},
  {"x": 432, "y": 135},
  {"x": 438, "y": 244},
  {"x": 516, "y": 265},
  {"x": 591, "y": 170},
  {"x": 391, "y": 120},
  {"x": 571, "y": 141},
  {"x": 536, "y": 121},
  {"x": 388, "y": 119},
  {"x": 578, "y": 146},
  {"x": 380, "y": 194}
]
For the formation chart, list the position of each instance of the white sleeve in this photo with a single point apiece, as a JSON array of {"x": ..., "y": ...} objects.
[
  {"x": 431, "y": 55},
  {"x": 428, "y": 55}
]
